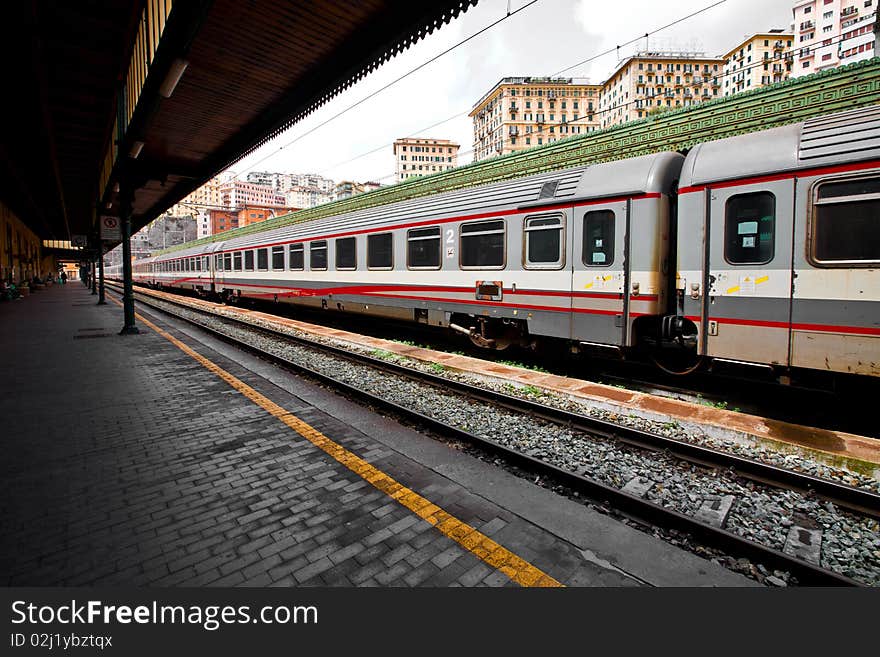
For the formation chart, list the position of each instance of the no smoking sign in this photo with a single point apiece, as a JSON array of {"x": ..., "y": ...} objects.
[{"x": 110, "y": 230}]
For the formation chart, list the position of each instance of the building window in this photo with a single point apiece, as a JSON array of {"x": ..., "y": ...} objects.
[
  {"x": 482, "y": 244},
  {"x": 598, "y": 246},
  {"x": 318, "y": 255},
  {"x": 749, "y": 228},
  {"x": 543, "y": 242},
  {"x": 248, "y": 260},
  {"x": 845, "y": 228},
  {"x": 346, "y": 253},
  {"x": 423, "y": 248},
  {"x": 380, "y": 254},
  {"x": 296, "y": 258}
]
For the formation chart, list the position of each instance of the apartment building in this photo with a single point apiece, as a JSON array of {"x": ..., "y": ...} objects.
[
  {"x": 222, "y": 220},
  {"x": 652, "y": 82},
  {"x": 830, "y": 33},
  {"x": 285, "y": 182},
  {"x": 306, "y": 197},
  {"x": 521, "y": 112},
  {"x": 421, "y": 157},
  {"x": 239, "y": 193},
  {"x": 759, "y": 60}
]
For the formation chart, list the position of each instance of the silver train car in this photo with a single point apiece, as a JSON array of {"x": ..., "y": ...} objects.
[{"x": 759, "y": 249}]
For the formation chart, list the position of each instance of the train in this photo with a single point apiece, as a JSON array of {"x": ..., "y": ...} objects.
[{"x": 760, "y": 249}]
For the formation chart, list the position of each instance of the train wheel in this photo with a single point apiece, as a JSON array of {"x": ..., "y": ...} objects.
[{"x": 680, "y": 364}]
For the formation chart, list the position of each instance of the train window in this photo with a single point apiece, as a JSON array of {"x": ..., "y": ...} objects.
[
  {"x": 198, "y": 263},
  {"x": 845, "y": 224},
  {"x": 749, "y": 228},
  {"x": 346, "y": 253},
  {"x": 543, "y": 242},
  {"x": 218, "y": 262},
  {"x": 380, "y": 253},
  {"x": 262, "y": 259},
  {"x": 423, "y": 248},
  {"x": 598, "y": 247},
  {"x": 207, "y": 265},
  {"x": 318, "y": 255},
  {"x": 236, "y": 257},
  {"x": 249, "y": 260},
  {"x": 227, "y": 262},
  {"x": 297, "y": 260},
  {"x": 482, "y": 245},
  {"x": 278, "y": 258}
]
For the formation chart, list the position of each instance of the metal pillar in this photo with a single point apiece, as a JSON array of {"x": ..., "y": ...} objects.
[
  {"x": 94, "y": 276},
  {"x": 128, "y": 293},
  {"x": 101, "y": 301}
]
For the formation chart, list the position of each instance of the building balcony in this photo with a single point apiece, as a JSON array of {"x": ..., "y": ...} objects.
[
  {"x": 779, "y": 45},
  {"x": 807, "y": 25},
  {"x": 849, "y": 11}
]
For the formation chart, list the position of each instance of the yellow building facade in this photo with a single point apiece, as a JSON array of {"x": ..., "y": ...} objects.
[
  {"x": 20, "y": 252},
  {"x": 519, "y": 113},
  {"x": 760, "y": 60},
  {"x": 648, "y": 83}
]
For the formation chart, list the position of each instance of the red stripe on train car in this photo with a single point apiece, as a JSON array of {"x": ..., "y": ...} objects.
[
  {"x": 802, "y": 173},
  {"x": 799, "y": 326}
]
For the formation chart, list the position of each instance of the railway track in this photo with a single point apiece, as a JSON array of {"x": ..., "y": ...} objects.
[{"x": 628, "y": 500}]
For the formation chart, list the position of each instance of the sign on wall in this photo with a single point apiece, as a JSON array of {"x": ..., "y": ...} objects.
[{"x": 110, "y": 230}]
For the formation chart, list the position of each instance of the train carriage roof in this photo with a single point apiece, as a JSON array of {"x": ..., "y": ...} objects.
[
  {"x": 649, "y": 173},
  {"x": 849, "y": 136}
]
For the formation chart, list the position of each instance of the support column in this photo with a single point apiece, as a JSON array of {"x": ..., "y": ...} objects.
[
  {"x": 128, "y": 293},
  {"x": 94, "y": 276},
  {"x": 101, "y": 301}
]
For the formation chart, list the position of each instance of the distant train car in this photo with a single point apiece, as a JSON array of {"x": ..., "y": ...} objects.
[{"x": 761, "y": 249}]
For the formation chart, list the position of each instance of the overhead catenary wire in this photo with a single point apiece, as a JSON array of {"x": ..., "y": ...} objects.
[
  {"x": 580, "y": 63},
  {"x": 839, "y": 38},
  {"x": 544, "y": 130},
  {"x": 479, "y": 32}
]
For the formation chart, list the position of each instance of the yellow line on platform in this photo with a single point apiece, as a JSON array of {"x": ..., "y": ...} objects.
[{"x": 517, "y": 569}]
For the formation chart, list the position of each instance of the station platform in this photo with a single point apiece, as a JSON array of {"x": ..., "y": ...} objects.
[{"x": 170, "y": 458}]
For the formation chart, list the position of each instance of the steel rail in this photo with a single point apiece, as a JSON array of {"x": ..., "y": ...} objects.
[
  {"x": 849, "y": 497},
  {"x": 629, "y": 505}
]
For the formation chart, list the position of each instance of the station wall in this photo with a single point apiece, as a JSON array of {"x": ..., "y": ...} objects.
[{"x": 20, "y": 256}]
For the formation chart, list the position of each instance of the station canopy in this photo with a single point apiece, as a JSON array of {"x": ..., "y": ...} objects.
[{"x": 159, "y": 96}]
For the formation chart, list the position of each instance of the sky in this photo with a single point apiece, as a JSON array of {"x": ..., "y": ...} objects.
[{"x": 544, "y": 38}]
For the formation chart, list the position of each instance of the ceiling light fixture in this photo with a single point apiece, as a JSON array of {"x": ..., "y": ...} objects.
[{"x": 178, "y": 66}]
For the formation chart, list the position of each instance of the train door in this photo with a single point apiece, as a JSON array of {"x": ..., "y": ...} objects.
[
  {"x": 747, "y": 307},
  {"x": 599, "y": 273},
  {"x": 836, "y": 301}
]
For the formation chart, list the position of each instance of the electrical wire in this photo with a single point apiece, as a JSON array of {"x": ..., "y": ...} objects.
[{"x": 479, "y": 32}]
